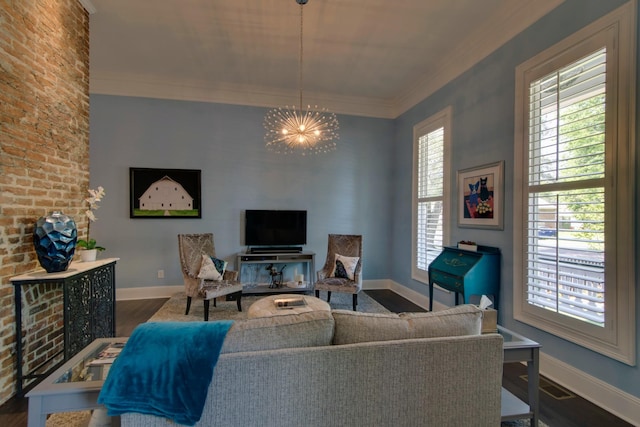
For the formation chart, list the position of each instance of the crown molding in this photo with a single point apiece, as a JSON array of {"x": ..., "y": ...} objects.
[{"x": 151, "y": 87}]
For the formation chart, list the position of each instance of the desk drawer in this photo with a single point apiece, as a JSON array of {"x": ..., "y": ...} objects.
[{"x": 448, "y": 281}]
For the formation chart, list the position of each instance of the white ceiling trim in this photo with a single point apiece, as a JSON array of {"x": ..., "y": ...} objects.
[{"x": 151, "y": 87}]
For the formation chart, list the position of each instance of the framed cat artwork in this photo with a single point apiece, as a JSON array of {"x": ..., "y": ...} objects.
[{"x": 481, "y": 196}]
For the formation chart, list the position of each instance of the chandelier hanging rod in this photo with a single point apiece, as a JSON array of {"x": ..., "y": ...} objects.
[{"x": 291, "y": 130}]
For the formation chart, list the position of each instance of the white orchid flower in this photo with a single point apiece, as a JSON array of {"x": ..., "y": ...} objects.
[
  {"x": 94, "y": 197},
  {"x": 91, "y": 215}
]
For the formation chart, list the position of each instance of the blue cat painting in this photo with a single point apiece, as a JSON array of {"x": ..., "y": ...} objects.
[{"x": 473, "y": 196}]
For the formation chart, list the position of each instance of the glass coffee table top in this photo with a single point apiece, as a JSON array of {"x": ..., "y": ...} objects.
[
  {"x": 93, "y": 365},
  {"x": 514, "y": 340},
  {"x": 75, "y": 386}
]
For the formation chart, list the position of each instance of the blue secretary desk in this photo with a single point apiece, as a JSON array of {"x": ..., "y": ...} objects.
[{"x": 467, "y": 273}]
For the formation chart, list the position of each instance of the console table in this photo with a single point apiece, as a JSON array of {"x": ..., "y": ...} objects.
[
  {"x": 256, "y": 279},
  {"x": 88, "y": 312},
  {"x": 467, "y": 273}
]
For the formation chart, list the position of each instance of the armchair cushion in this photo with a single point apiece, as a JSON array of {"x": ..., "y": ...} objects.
[
  {"x": 345, "y": 267},
  {"x": 212, "y": 268}
]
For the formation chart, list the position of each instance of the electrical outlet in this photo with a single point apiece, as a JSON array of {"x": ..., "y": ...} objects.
[{"x": 160, "y": 274}]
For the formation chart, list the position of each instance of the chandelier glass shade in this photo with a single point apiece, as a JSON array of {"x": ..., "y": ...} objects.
[{"x": 291, "y": 130}]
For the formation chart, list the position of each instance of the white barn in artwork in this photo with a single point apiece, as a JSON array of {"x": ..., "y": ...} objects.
[{"x": 165, "y": 194}]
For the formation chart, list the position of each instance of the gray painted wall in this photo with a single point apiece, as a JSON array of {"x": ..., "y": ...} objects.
[
  {"x": 483, "y": 132},
  {"x": 344, "y": 192}
]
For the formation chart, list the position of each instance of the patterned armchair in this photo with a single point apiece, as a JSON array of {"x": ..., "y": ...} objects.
[
  {"x": 191, "y": 248},
  {"x": 349, "y": 247}
]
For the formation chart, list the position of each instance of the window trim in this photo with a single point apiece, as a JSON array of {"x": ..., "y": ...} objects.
[
  {"x": 618, "y": 339},
  {"x": 440, "y": 119}
]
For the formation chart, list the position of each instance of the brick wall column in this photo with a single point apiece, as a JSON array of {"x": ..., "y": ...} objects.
[{"x": 44, "y": 140}]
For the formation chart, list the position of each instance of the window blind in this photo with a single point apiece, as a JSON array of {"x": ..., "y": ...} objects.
[
  {"x": 430, "y": 197},
  {"x": 566, "y": 198}
]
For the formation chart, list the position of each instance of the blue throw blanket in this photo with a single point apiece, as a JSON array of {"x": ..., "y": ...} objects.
[{"x": 165, "y": 369}]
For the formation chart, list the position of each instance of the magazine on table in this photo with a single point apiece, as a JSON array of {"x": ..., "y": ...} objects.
[
  {"x": 283, "y": 303},
  {"x": 108, "y": 355}
]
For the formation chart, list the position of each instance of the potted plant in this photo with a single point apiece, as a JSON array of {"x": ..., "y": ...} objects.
[{"x": 90, "y": 245}]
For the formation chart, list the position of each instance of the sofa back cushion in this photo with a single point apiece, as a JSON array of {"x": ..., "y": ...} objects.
[
  {"x": 354, "y": 327},
  {"x": 269, "y": 333},
  {"x": 456, "y": 321}
]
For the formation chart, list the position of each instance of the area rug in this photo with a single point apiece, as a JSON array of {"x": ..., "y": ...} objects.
[
  {"x": 173, "y": 309},
  {"x": 97, "y": 418}
]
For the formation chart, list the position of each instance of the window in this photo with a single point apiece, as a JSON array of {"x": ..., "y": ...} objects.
[
  {"x": 431, "y": 183},
  {"x": 573, "y": 272}
]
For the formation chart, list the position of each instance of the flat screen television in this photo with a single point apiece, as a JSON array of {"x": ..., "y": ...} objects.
[{"x": 275, "y": 227}]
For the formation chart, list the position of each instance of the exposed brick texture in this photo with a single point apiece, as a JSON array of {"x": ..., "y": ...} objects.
[{"x": 44, "y": 155}]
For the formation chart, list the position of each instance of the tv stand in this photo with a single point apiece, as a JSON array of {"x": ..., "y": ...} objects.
[
  {"x": 276, "y": 250},
  {"x": 255, "y": 277}
]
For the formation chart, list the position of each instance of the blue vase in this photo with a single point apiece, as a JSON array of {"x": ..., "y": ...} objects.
[{"x": 55, "y": 239}]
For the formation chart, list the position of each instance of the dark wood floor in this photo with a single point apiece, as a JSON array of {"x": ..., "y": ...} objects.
[{"x": 557, "y": 409}]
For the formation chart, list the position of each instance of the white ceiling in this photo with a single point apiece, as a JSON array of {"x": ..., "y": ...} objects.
[{"x": 364, "y": 57}]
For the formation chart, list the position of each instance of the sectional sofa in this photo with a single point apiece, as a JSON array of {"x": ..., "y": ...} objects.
[{"x": 344, "y": 368}]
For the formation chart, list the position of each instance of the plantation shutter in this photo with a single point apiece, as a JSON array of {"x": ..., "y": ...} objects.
[
  {"x": 566, "y": 193},
  {"x": 430, "y": 198}
]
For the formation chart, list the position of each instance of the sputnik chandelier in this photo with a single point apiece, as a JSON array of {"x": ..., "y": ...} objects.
[{"x": 291, "y": 130}]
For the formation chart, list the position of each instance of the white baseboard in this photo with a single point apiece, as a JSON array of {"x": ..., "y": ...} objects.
[
  {"x": 149, "y": 292},
  {"x": 598, "y": 392}
]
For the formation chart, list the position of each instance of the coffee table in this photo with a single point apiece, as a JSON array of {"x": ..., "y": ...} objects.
[
  {"x": 266, "y": 307},
  {"x": 520, "y": 349},
  {"x": 74, "y": 386}
]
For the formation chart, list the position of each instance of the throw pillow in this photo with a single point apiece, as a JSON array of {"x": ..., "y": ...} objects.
[
  {"x": 345, "y": 267},
  {"x": 211, "y": 268},
  {"x": 221, "y": 265}
]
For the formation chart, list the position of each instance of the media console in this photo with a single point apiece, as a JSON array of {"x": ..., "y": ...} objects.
[
  {"x": 275, "y": 250},
  {"x": 297, "y": 271}
]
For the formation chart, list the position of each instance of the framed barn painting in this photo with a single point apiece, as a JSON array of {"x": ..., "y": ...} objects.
[
  {"x": 481, "y": 196},
  {"x": 164, "y": 193}
]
